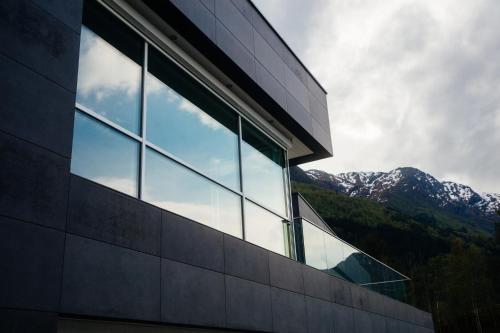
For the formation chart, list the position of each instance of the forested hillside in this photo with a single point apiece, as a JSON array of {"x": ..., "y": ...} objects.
[{"x": 454, "y": 271}]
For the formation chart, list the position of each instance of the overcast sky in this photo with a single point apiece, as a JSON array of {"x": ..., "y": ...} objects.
[{"x": 410, "y": 83}]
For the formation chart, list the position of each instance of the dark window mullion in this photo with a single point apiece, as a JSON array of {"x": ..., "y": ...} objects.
[
  {"x": 143, "y": 121},
  {"x": 241, "y": 178}
]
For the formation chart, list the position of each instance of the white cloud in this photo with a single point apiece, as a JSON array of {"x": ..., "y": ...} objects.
[
  {"x": 155, "y": 86},
  {"x": 411, "y": 83}
]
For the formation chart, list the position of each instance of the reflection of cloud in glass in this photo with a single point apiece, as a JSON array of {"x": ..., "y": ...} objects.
[
  {"x": 103, "y": 69},
  {"x": 184, "y": 130},
  {"x": 204, "y": 118},
  {"x": 263, "y": 228},
  {"x": 203, "y": 213},
  {"x": 173, "y": 187},
  {"x": 121, "y": 184},
  {"x": 156, "y": 87},
  {"x": 108, "y": 81},
  {"x": 263, "y": 179},
  {"x": 104, "y": 155}
]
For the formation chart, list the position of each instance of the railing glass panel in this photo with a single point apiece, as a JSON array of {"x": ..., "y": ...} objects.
[{"x": 329, "y": 253}]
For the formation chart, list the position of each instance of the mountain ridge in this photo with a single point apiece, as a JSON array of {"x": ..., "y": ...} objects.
[{"x": 413, "y": 192}]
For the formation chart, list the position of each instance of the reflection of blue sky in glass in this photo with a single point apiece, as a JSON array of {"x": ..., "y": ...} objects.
[
  {"x": 108, "y": 82},
  {"x": 182, "y": 129},
  {"x": 263, "y": 179},
  {"x": 314, "y": 246},
  {"x": 264, "y": 228},
  {"x": 177, "y": 189},
  {"x": 104, "y": 155}
]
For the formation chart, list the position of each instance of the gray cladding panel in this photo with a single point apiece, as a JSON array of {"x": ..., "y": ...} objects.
[
  {"x": 340, "y": 291},
  {"x": 105, "y": 280},
  {"x": 297, "y": 111},
  {"x": 248, "y": 305},
  {"x": 296, "y": 88},
  {"x": 343, "y": 318},
  {"x": 319, "y": 316},
  {"x": 31, "y": 259},
  {"x": 363, "y": 321},
  {"x": 199, "y": 14},
  {"x": 235, "y": 49},
  {"x": 103, "y": 214},
  {"x": 68, "y": 12},
  {"x": 378, "y": 324},
  {"x": 21, "y": 321},
  {"x": 246, "y": 260},
  {"x": 316, "y": 283},
  {"x": 35, "y": 108},
  {"x": 234, "y": 20},
  {"x": 285, "y": 273},
  {"x": 289, "y": 311},
  {"x": 192, "y": 295},
  {"x": 39, "y": 41},
  {"x": 270, "y": 84},
  {"x": 269, "y": 58},
  {"x": 34, "y": 183},
  {"x": 245, "y": 8},
  {"x": 192, "y": 243}
]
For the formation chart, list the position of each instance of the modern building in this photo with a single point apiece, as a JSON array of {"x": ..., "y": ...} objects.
[{"x": 144, "y": 150}]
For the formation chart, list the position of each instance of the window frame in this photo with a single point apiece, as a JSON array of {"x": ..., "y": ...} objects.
[{"x": 145, "y": 144}]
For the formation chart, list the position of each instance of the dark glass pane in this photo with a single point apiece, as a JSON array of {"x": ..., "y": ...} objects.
[
  {"x": 189, "y": 122},
  {"x": 352, "y": 267},
  {"x": 171, "y": 186},
  {"x": 264, "y": 228},
  {"x": 263, "y": 169},
  {"x": 109, "y": 73},
  {"x": 104, "y": 155},
  {"x": 314, "y": 246},
  {"x": 334, "y": 255}
]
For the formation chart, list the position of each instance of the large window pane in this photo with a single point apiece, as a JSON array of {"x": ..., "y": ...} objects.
[
  {"x": 104, "y": 155},
  {"x": 189, "y": 122},
  {"x": 177, "y": 189},
  {"x": 314, "y": 246},
  {"x": 264, "y": 228},
  {"x": 108, "y": 80},
  {"x": 263, "y": 169}
]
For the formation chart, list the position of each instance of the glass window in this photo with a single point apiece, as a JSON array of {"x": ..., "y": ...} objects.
[
  {"x": 186, "y": 120},
  {"x": 171, "y": 186},
  {"x": 264, "y": 228},
  {"x": 104, "y": 155},
  {"x": 352, "y": 267},
  {"x": 263, "y": 169},
  {"x": 314, "y": 246},
  {"x": 186, "y": 136},
  {"x": 109, "y": 78},
  {"x": 334, "y": 255}
]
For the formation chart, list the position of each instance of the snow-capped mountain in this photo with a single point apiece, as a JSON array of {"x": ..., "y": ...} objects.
[{"x": 408, "y": 188}]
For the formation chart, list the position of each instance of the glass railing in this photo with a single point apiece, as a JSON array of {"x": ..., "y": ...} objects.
[{"x": 324, "y": 251}]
